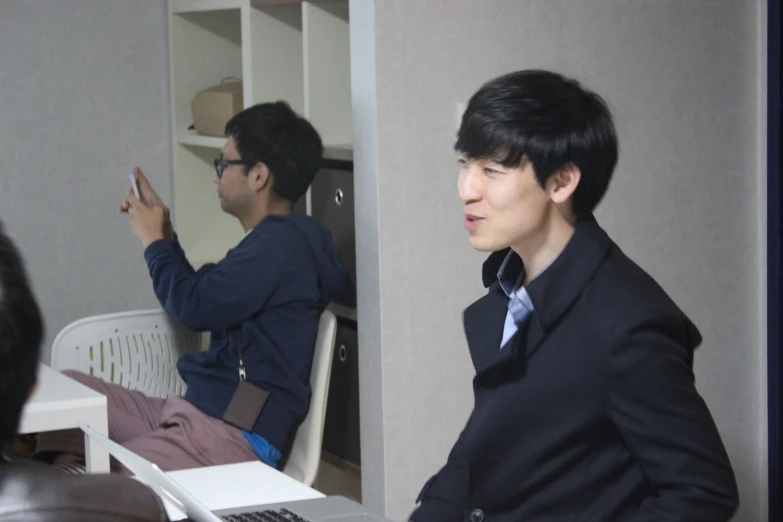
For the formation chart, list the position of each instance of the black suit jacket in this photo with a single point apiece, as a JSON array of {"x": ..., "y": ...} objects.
[{"x": 590, "y": 412}]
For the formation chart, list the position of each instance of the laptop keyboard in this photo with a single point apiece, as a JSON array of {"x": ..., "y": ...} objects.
[{"x": 269, "y": 515}]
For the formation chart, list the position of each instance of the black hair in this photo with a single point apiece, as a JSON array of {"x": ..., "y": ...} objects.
[
  {"x": 273, "y": 134},
  {"x": 549, "y": 120},
  {"x": 21, "y": 335}
]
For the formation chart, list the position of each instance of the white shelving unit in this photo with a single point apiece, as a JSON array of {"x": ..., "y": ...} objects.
[{"x": 292, "y": 50}]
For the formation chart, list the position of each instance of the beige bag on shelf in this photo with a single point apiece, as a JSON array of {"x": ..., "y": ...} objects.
[{"x": 213, "y": 107}]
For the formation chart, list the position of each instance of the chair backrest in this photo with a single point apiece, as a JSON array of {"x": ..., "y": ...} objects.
[
  {"x": 305, "y": 453},
  {"x": 137, "y": 350}
]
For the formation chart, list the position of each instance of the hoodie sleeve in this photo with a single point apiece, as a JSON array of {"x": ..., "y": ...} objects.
[
  {"x": 181, "y": 253},
  {"x": 219, "y": 296}
]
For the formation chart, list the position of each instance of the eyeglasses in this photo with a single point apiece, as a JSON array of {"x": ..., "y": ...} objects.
[{"x": 221, "y": 163}]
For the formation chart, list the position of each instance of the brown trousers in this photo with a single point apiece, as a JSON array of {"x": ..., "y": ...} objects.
[{"x": 171, "y": 433}]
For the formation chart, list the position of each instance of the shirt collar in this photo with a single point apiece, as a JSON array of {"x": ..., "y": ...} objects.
[{"x": 511, "y": 273}]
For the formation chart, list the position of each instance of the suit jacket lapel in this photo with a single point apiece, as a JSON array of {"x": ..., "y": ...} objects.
[
  {"x": 551, "y": 293},
  {"x": 534, "y": 338},
  {"x": 483, "y": 322}
]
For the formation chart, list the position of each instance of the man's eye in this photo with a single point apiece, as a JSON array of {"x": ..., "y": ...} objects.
[{"x": 488, "y": 170}]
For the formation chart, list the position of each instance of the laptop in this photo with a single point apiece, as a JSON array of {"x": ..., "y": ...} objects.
[{"x": 325, "y": 509}]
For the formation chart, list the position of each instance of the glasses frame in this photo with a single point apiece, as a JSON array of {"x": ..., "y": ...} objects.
[{"x": 221, "y": 163}]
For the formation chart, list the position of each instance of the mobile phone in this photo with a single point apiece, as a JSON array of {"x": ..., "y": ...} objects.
[{"x": 134, "y": 184}]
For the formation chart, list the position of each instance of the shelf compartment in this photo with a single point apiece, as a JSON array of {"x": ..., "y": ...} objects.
[
  {"x": 200, "y": 6},
  {"x": 192, "y": 138},
  {"x": 272, "y": 54},
  {"x": 327, "y": 69},
  {"x": 205, "y": 49}
]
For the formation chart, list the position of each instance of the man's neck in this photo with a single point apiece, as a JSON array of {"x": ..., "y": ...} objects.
[
  {"x": 256, "y": 215},
  {"x": 539, "y": 252}
]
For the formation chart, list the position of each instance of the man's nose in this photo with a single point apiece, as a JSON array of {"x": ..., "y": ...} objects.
[{"x": 469, "y": 186}]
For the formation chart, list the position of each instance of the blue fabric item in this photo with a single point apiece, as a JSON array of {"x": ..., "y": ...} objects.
[
  {"x": 265, "y": 451},
  {"x": 510, "y": 276},
  {"x": 269, "y": 291}
]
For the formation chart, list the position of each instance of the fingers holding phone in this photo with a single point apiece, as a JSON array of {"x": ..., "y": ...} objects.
[
  {"x": 141, "y": 188},
  {"x": 147, "y": 194},
  {"x": 141, "y": 194},
  {"x": 134, "y": 182},
  {"x": 146, "y": 222}
]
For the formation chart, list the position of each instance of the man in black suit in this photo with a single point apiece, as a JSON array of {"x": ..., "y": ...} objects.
[{"x": 585, "y": 403}]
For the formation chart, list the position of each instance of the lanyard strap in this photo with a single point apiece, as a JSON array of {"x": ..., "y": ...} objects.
[{"x": 242, "y": 373}]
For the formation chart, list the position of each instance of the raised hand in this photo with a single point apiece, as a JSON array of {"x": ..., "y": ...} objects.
[
  {"x": 147, "y": 221},
  {"x": 148, "y": 194},
  {"x": 150, "y": 200}
]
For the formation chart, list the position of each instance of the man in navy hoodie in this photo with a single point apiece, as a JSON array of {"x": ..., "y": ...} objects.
[{"x": 265, "y": 299}]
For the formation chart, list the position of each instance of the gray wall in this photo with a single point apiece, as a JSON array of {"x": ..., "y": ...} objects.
[
  {"x": 83, "y": 97},
  {"x": 683, "y": 79}
]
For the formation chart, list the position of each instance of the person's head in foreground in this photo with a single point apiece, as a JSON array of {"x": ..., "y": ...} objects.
[
  {"x": 268, "y": 162},
  {"x": 21, "y": 334},
  {"x": 537, "y": 151},
  {"x": 32, "y": 490}
]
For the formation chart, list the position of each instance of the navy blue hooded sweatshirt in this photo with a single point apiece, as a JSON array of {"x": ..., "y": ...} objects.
[{"x": 272, "y": 288}]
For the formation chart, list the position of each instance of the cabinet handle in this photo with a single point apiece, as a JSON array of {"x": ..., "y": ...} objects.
[
  {"x": 338, "y": 197},
  {"x": 342, "y": 353}
]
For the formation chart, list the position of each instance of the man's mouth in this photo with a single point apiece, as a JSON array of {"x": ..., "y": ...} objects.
[{"x": 471, "y": 221}]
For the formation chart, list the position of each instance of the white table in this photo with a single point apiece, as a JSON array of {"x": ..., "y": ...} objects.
[
  {"x": 238, "y": 485},
  {"x": 58, "y": 403}
]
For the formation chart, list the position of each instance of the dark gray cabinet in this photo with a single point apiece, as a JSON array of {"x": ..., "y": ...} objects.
[
  {"x": 341, "y": 428},
  {"x": 332, "y": 205}
]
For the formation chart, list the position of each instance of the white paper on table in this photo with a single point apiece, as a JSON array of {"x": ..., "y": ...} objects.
[
  {"x": 230, "y": 486},
  {"x": 247, "y": 484}
]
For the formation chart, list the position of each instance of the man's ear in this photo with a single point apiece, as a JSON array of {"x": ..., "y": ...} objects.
[
  {"x": 259, "y": 177},
  {"x": 562, "y": 185}
]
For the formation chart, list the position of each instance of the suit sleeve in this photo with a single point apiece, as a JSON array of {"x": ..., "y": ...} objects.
[
  {"x": 652, "y": 400},
  {"x": 444, "y": 495}
]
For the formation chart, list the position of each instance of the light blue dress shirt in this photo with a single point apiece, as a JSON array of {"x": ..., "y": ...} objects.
[{"x": 510, "y": 276}]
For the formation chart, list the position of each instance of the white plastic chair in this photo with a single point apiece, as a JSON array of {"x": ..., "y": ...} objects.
[
  {"x": 305, "y": 454},
  {"x": 139, "y": 350}
]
